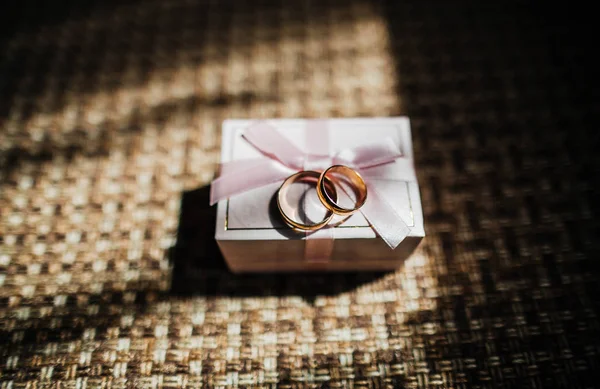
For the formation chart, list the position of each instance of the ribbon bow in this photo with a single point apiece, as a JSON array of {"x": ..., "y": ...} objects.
[{"x": 381, "y": 160}]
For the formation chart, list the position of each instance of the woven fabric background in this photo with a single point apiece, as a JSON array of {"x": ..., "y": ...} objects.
[{"x": 109, "y": 134}]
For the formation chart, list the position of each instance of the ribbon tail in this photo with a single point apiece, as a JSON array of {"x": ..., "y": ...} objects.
[
  {"x": 235, "y": 179},
  {"x": 384, "y": 219}
]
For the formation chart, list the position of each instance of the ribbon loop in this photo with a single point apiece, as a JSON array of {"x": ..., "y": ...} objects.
[
  {"x": 241, "y": 176},
  {"x": 272, "y": 144},
  {"x": 373, "y": 154}
]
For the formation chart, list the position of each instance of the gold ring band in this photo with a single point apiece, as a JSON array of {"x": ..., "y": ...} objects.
[
  {"x": 306, "y": 175},
  {"x": 330, "y": 202}
]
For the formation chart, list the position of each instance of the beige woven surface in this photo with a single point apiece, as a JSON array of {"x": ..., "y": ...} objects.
[{"x": 109, "y": 134}]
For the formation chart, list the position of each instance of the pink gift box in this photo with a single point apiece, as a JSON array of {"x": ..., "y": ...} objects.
[{"x": 253, "y": 237}]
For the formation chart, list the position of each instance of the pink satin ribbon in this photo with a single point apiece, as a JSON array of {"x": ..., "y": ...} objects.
[{"x": 381, "y": 160}]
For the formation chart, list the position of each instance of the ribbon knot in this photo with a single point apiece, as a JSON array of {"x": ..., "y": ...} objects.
[
  {"x": 317, "y": 162},
  {"x": 380, "y": 160}
]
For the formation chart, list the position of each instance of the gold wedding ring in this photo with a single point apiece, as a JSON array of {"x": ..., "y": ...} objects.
[
  {"x": 329, "y": 198},
  {"x": 306, "y": 176}
]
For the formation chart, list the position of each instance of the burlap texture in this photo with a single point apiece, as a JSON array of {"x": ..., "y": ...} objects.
[{"x": 109, "y": 134}]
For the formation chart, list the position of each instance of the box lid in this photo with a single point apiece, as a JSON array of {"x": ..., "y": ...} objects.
[{"x": 253, "y": 215}]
